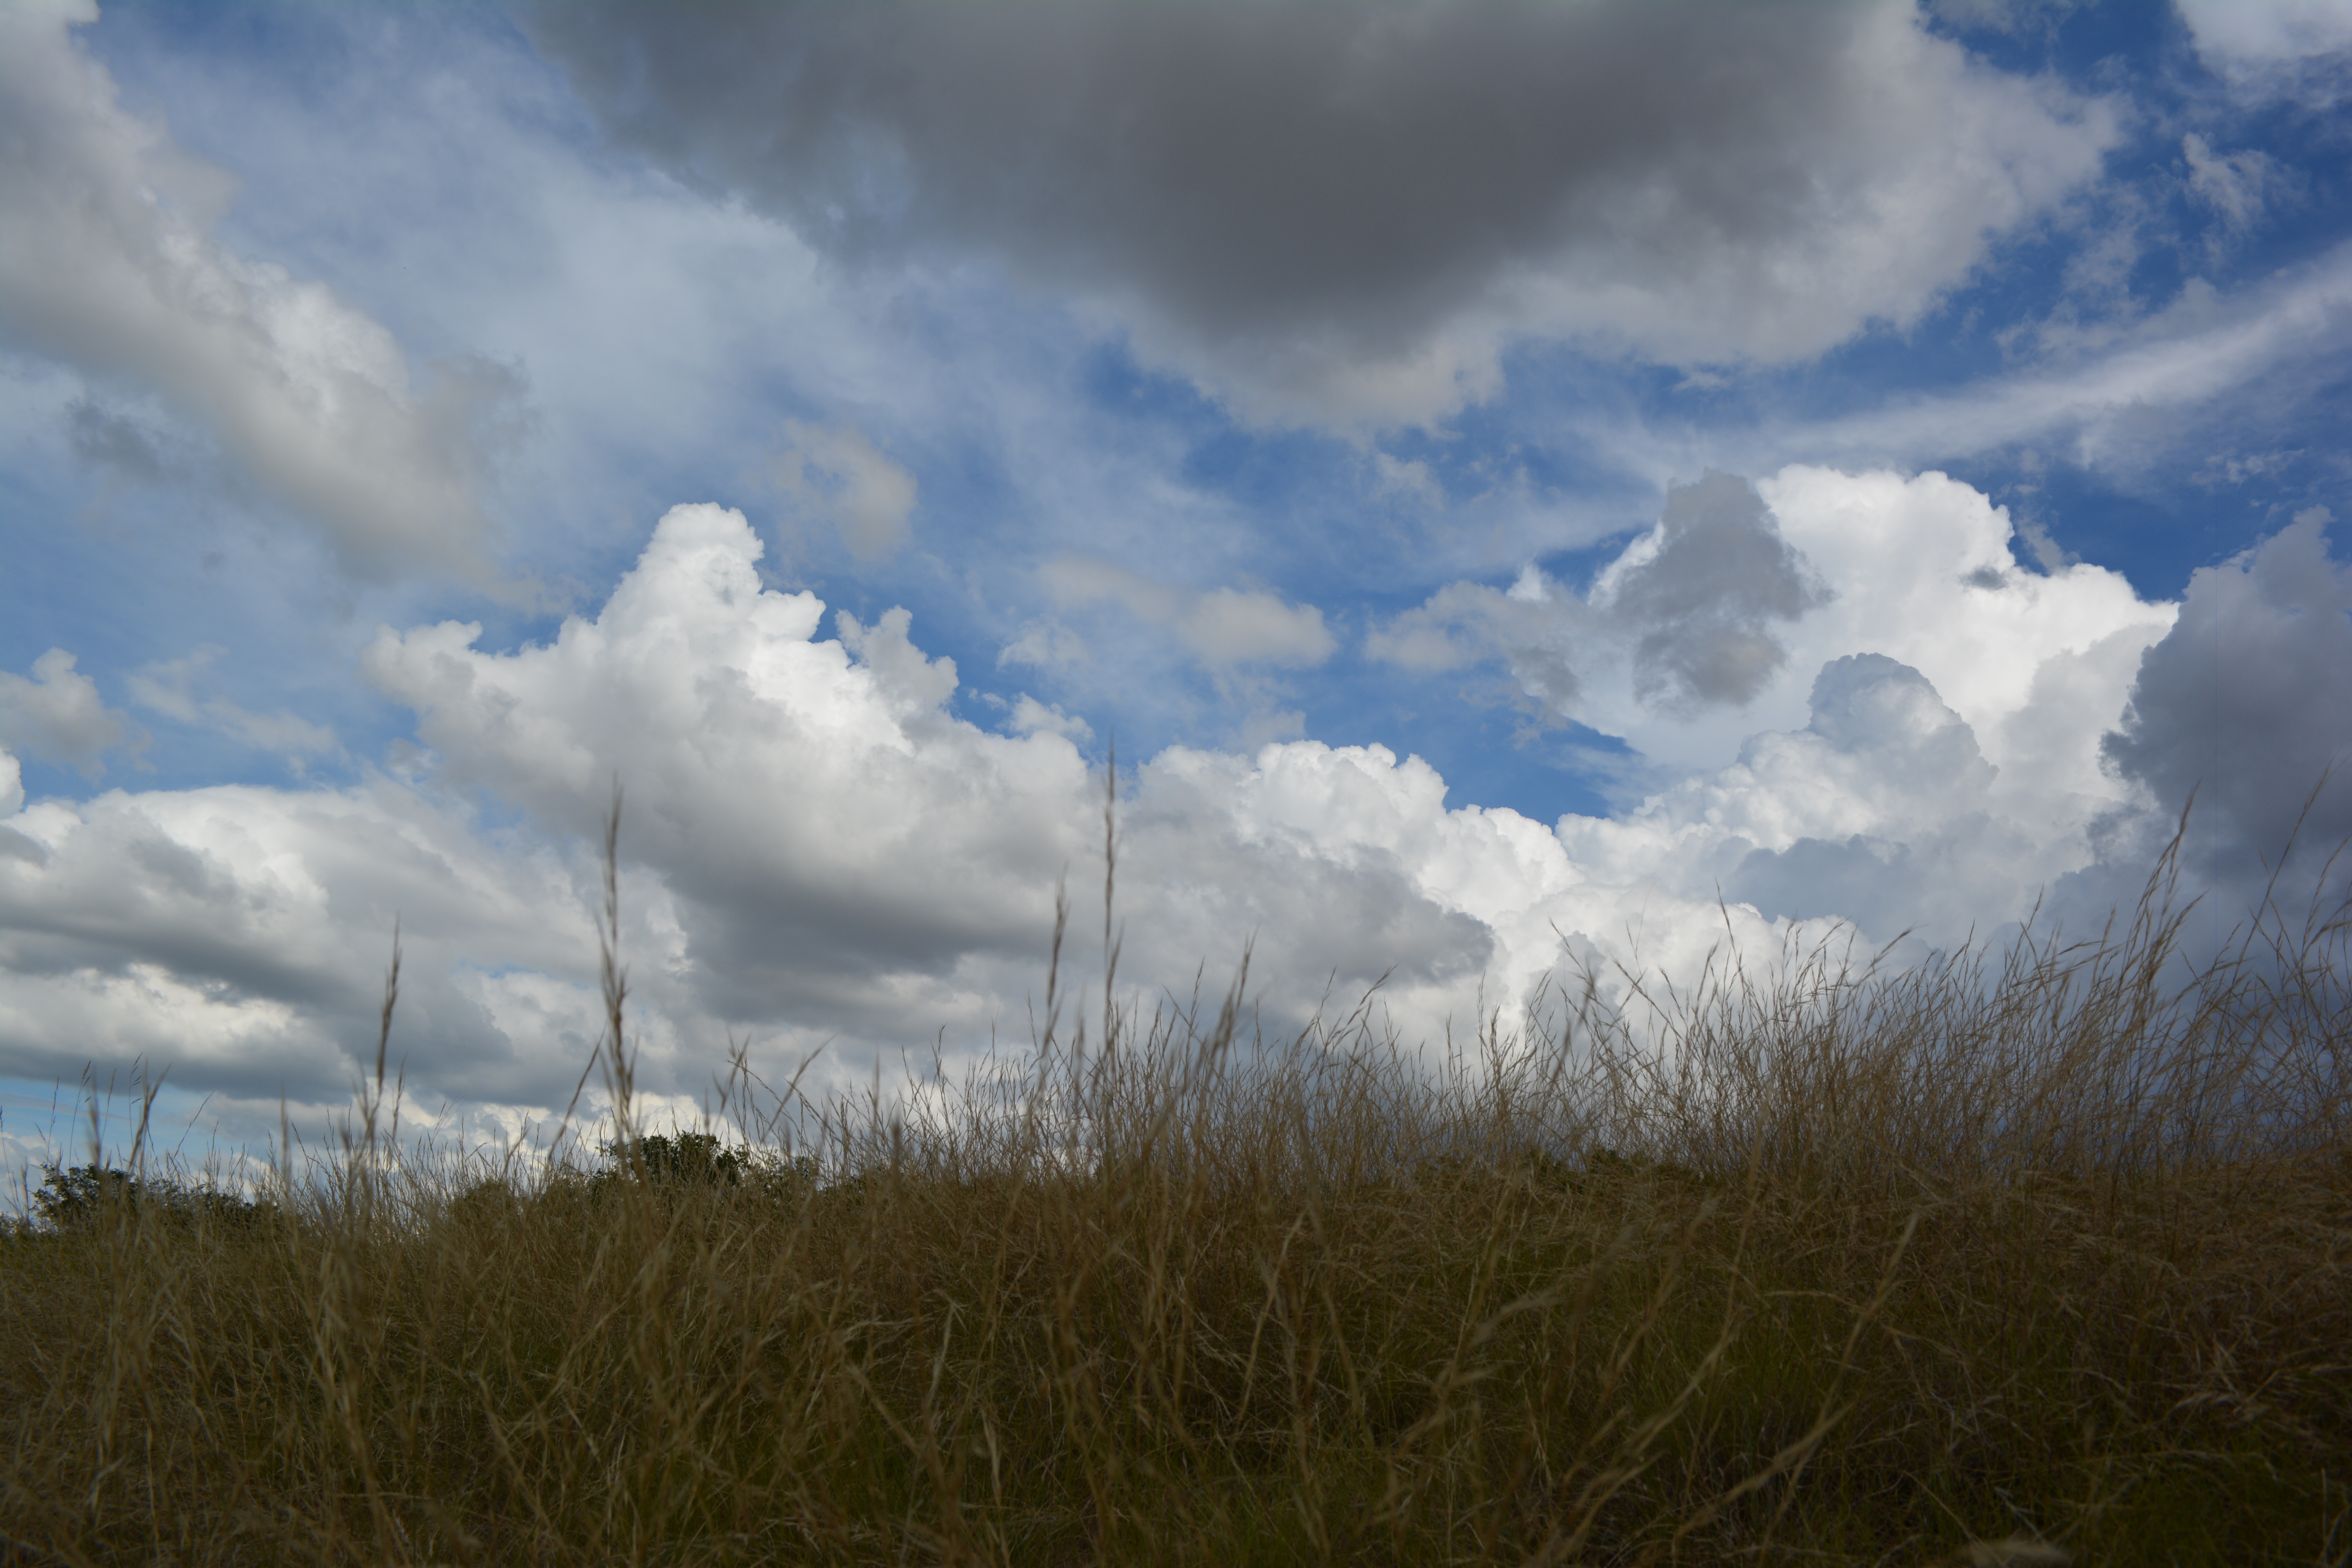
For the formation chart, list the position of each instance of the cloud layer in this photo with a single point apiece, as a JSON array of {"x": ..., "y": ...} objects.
[
  {"x": 1344, "y": 211},
  {"x": 819, "y": 850},
  {"x": 108, "y": 264}
]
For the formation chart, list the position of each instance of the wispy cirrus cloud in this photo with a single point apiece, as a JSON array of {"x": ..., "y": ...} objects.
[
  {"x": 177, "y": 689},
  {"x": 2269, "y": 343}
]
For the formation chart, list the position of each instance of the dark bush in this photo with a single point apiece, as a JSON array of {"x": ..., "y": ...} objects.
[
  {"x": 697, "y": 1159},
  {"x": 76, "y": 1198}
]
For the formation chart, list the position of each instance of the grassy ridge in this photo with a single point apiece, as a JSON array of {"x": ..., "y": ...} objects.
[{"x": 2029, "y": 1259}]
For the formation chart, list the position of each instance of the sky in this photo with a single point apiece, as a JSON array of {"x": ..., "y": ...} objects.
[{"x": 1519, "y": 487}]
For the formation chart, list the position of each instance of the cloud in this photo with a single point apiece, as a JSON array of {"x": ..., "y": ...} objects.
[
  {"x": 117, "y": 442},
  {"x": 828, "y": 833},
  {"x": 2009, "y": 17},
  {"x": 1223, "y": 628},
  {"x": 1393, "y": 477},
  {"x": 836, "y": 855},
  {"x": 1882, "y": 734},
  {"x": 1882, "y": 810},
  {"x": 171, "y": 688},
  {"x": 1234, "y": 626},
  {"x": 108, "y": 264},
  {"x": 836, "y": 473},
  {"x": 1739, "y": 597},
  {"x": 818, "y": 851},
  {"x": 2264, "y": 352},
  {"x": 2234, "y": 184},
  {"x": 2297, "y": 48},
  {"x": 1046, "y": 643},
  {"x": 1462, "y": 623},
  {"x": 1031, "y": 716},
  {"x": 1974, "y": 730},
  {"x": 238, "y": 936},
  {"x": 2248, "y": 701},
  {"x": 1689, "y": 607},
  {"x": 58, "y": 715},
  {"x": 1700, "y": 599},
  {"x": 1343, "y": 213}
]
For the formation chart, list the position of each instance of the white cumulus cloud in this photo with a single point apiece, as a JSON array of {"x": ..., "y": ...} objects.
[
  {"x": 1713, "y": 624},
  {"x": 818, "y": 852}
]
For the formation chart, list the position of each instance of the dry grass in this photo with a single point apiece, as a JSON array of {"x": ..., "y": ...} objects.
[{"x": 2028, "y": 1259}]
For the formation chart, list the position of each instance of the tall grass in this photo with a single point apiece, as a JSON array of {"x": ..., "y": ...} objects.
[{"x": 2022, "y": 1256}]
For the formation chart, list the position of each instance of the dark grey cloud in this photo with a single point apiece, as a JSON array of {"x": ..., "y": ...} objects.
[
  {"x": 2248, "y": 701},
  {"x": 1342, "y": 208},
  {"x": 1692, "y": 607},
  {"x": 1703, "y": 604}
]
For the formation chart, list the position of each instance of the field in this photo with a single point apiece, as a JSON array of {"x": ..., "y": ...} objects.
[{"x": 2029, "y": 1257}]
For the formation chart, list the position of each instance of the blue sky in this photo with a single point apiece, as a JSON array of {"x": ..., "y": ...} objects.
[{"x": 1520, "y": 484}]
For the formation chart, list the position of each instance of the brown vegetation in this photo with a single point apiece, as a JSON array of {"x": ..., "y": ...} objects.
[{"x": 2028, "y": 1259}]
